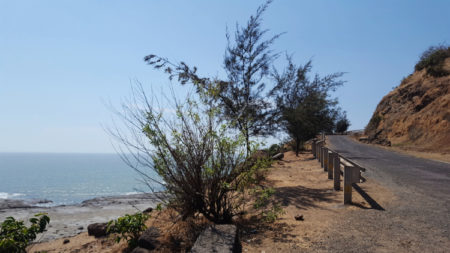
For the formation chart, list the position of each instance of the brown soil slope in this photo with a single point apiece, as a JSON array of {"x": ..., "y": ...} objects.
[{"x": 415, "y": 115}]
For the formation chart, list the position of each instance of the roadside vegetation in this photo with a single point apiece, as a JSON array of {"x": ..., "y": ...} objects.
[
  {"x": 15, "y": 236},
  {"x": 203, "y": 151},
  {"x": 128, "y": 227}
]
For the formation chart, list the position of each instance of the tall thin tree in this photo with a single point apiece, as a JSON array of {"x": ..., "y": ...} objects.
[{"x": 247, "y": 62}]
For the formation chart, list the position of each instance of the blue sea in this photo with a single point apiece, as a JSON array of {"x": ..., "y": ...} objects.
[{"x": 65, "y": 178}]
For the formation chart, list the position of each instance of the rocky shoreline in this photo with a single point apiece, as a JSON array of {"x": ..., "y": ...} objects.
[{"x": 70, "y": 220}]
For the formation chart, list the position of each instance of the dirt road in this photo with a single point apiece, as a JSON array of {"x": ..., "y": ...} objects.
[{"x": 419, "y": 218}]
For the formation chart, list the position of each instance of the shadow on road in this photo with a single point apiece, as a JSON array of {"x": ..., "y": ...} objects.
[{"x": 373, "y": 204}]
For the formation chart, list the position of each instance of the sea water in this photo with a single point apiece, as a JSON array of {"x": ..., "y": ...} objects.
[{"x": 66, "y": 178}]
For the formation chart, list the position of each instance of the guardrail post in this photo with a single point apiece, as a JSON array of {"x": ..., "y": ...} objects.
[
  {"x": 337, "y": 172},
  {"x": 348, "y": 184},
  {"x": 322, "y": 155},
  {"x": 331, "y": 156},
  {"x": 325, "y": 159},
  {"x": 313, "y": 148},
  {"x": 319, "y": 146}
]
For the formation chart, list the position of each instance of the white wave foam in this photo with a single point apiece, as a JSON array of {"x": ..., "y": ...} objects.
[{"x": 5, "y": 195}]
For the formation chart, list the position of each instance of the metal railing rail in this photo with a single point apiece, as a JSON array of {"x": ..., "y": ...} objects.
[{"x": 331, "y": 161}]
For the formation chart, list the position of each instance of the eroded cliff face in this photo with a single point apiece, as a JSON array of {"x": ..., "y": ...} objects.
[{"x": 415, "y": 115}]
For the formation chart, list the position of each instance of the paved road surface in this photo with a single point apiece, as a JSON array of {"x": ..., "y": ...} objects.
[
  {"x": 429, "y": 177},
  {"x": 418, "y": 221}
]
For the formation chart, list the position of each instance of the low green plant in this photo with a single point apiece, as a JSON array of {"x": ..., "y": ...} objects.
[
  {"x": 15, "y": 236},
  {"x": 270, "y": 211},
  {"x": 274, "y": 149},
  {"x": 262, "y": 197},
  {"x": 129, "y": 227},
  {"x": 273, "y": 213}
]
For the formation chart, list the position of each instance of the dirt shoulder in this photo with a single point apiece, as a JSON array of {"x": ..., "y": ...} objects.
[{"x": 303, "y": 188}]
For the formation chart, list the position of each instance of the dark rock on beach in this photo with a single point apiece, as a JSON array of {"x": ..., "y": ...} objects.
[
  {"x": 14, "y": 203},
  {"x": 20, "y": 203},
  {"x": 98, "y": 229}
]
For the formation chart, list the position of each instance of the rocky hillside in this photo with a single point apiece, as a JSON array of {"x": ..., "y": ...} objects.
[{"x": 416, "y": 114}]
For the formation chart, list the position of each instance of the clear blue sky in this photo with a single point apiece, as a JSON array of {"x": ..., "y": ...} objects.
[{"x": 60, "y": 59}]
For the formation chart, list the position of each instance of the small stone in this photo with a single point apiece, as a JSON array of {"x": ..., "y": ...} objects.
[
  {"x": 299, "y": 217},
  {"x": 148, "y": 210},
  {"x": 66, "y": 241},
  {"x": 140, "y": 250},
  {"x": 80, "y": 228}
]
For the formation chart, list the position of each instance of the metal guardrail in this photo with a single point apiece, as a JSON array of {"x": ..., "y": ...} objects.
[{"x": 331, "y": 161}]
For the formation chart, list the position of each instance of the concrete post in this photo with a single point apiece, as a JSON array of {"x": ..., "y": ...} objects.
[
  {"x": 322, "y": 156},
  {"x": 313, "y": 148},
  {"x": 318, "y": 151},
  {"x": 325, "y": 159},
  {"x": 323, "y": 136},
  {"x": 337, "y": 172},
  {"x": 318, "y": 146},
  {"x": 331, "y": 156},
  {"x": 348, "y": 184}
]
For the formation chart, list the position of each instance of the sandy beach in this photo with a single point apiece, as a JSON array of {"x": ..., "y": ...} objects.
[{"x": 70, "y": 220}]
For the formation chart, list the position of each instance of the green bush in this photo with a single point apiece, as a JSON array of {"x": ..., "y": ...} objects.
[
  {"x": 129, "y": 227},
  {"x": 274, "y": 149},
  {"x": 433, "y": 59},
  {"x": 15, "y": 236},
  {"x": 342, "y": 125}
]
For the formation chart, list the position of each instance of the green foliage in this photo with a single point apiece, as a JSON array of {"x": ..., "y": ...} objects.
[
  {"x": 273, "y": 213},
  {"x": 264, "y": 201},
  {"x": 15, "y": 236},
  {"x": 304, "y": 103},
  {"x": 129, "y": 227},
  {"x": 432, "y": 60},
  {"x": 199, "y": 161},
  {"x": 240, "y": 97},
  {"x": 262, "y": 197},
  {"x": 159, "y": 207},
  {"x": 258, "y": 167},
  {"x": 274, "y": 149},
  {"x": 342, "y": 124}
]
